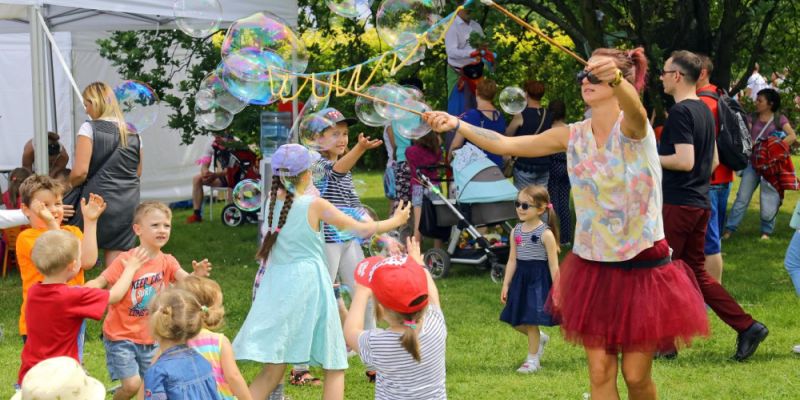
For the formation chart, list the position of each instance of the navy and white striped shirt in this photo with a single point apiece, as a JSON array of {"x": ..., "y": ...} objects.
[
  {"x": 339, "y": 190},
  {"x": 400, "y": 377},
  {"x": 529, "y": 244}
]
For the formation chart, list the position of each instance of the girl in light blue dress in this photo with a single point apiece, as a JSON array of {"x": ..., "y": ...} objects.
[{"x": 294, "y": 317}]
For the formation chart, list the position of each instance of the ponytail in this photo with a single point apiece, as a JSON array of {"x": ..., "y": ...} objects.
[
  {"x": 272, "y": 235},
  {"x": 632, "y": 64},
  {"x": 411, "y": 322},
  {"x": 639, "y": 60}
]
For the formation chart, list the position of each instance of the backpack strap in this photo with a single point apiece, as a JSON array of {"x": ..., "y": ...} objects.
[{"x": 709, "y": 93}]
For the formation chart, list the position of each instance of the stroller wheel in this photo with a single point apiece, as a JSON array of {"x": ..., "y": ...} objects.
[
  {"x": 232, "y": 216},
  {"x": 498, "y": 272},
  {"x": 437, "y": 261}
]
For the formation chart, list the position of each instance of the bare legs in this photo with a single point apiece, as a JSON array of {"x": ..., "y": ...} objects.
[
  {"x": 532, "y": 332},
  {"x": 636, "y": 370},
  {"x": 272, "y": 374},
  {"x": 714, "y": 266}
]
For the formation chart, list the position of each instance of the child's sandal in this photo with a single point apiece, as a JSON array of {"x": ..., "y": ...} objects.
[{"x": 303, "y": 378}]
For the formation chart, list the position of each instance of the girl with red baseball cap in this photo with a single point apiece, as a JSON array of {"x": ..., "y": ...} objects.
[{"x": 410, "y": 355}]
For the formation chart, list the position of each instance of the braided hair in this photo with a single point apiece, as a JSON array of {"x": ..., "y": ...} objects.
[{"x": 272, "y": 234}]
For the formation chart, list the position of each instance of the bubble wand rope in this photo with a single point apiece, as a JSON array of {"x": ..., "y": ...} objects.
[
  {"x": 343, "y": 90},
  {"x": 534, "y": 30}
]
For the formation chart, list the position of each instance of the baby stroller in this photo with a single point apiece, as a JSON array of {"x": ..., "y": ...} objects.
[
  {"x": 243, "y": 178},
  {"x": 484, "y": 198}
]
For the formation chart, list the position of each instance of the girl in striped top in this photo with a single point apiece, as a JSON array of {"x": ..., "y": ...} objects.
[
  {"x": 215, "y": 347},
  {"x": 532, "y": 267},
  {"x": 410, "y": 354}
]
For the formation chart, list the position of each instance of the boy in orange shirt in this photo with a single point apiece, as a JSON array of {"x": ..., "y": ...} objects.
[
  {"x": 127, "y": 337},
  {"x": 47, "y": 191}
]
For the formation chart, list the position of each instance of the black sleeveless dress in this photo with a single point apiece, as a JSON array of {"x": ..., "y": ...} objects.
[{"x": 117, "y": 182}]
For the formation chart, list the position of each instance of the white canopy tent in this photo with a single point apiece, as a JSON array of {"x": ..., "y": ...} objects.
[{"x": 168, "y": 165}]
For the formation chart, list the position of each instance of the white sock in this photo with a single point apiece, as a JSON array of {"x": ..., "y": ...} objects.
[{"x": 533, "y": 357}]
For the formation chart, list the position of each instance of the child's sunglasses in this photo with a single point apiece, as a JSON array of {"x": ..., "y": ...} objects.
[
  {"x": 523, "y": 206},
  {"x": 588, "y": 75}
]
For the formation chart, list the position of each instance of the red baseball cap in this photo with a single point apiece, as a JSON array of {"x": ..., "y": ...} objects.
[{"x": 396, "y": 282}]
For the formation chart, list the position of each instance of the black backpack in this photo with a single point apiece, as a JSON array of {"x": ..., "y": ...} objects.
[{"x": 734, "y": 144}]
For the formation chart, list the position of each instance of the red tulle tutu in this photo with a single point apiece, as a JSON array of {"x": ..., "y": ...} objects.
[{"x": 629, "y": 310}]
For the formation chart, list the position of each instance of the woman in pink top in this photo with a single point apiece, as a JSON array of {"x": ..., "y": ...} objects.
[{"x": 619, "y": 292}]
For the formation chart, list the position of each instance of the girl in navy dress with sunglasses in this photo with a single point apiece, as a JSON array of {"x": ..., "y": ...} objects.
[{"x": 532, "y": 267}]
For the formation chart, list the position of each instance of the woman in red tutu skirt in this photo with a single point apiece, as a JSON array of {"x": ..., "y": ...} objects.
[{"x": 618, "y": 292}]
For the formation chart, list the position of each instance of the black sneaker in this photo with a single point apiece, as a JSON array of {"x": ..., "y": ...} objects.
[
  {"x": 748, "y": 340},
  {"x": 667, "y": 355}
]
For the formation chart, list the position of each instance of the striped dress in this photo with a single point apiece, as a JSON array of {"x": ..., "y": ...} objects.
[{"x": 207, "y": 343}]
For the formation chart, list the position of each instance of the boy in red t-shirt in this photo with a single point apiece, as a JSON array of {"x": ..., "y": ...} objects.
[
  {"x": 59, "y": 309},
  {"x": 48, "y": 193},
  {"x": 129, "y": 344}
]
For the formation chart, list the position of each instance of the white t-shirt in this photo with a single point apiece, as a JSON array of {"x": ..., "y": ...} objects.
[
  {"x": 87, "y": 131},
  {"x": 456, "y": 42},
  {"x": 400, "y": 377},
  {"x": 756, "y": 83}
]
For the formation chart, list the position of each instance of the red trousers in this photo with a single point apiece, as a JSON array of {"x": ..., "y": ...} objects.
[{"x": 685, "y": 230}]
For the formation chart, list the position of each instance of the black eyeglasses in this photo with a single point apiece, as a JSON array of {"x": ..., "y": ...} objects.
[
  {"x": 674, "y": 71},
  {"x": 523, "y": 206},
  {"x": 588, "y": 75}
]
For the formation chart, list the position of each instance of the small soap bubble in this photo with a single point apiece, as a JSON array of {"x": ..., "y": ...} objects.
[
  {"x": 352, "y": 9},
  {"x": 247, "y": 195},
  {"x": 396, "y": 17},
  {"x": 138, "y": 103},
  {"x": 512, "y": 100}
]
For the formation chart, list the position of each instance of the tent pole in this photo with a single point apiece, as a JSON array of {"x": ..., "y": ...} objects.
[
  {"x": 51, "y": 87},
  {"x": 41, "y": 164}
]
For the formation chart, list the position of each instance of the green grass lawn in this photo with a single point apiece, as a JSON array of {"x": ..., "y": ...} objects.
[{"x": 482, "y": 353}]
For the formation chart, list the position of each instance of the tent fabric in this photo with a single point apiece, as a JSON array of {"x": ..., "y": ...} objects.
[
  {"x": 168, "y": 165},
  {"x": 104, "y": 15}
]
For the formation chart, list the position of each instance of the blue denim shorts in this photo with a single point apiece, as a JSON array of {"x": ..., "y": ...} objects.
[{"x": 126, "y": 359}]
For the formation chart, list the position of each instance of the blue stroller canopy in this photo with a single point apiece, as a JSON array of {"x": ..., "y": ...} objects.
[{"x": 479, "y": 180}]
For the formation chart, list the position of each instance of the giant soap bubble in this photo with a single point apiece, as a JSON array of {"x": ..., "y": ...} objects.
[
  {"x": 215, "y": 118},
  {"x": 365, "y": 109},
  {"x": 410, "y": 125},
  {"x": 197, "y": 18},
  {"x": 512, "y": 100},
  {"x": 353, "y": 9},
  {"x": 391, "y": 95},
  {"x": 139, "y": 104},
  {"x": 396, "y": 17},
  {"x": 266, "y": 31},
  {"x": 212, "y": 92},
  {"x": 254, "y": 76},
  {"x": 407, "y": 42}
]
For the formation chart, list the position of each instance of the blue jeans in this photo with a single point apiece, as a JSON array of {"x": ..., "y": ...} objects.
[
  {"x": 792, "y": 261},
  {"x": 718, "y": 195},
  {"x": 769, "y": 198}
]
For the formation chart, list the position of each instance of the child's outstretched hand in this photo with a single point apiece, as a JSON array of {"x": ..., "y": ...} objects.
[
  {"x": 41, "y": 211},
  {"x": 93, "y": 208},
  {"x": 366, "y": 143},
  {"x": 403, "y": 211},
  {"x": 136, "y": 260},
  {"x": 202, "y": 268},
  {"x": 412, "y": 245}
]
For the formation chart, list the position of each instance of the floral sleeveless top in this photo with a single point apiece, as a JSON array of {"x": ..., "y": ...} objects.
[{"x": 617, "y": 193}]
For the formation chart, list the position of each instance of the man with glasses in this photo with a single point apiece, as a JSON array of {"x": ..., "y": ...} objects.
[{"x": 688, "y": 156}]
